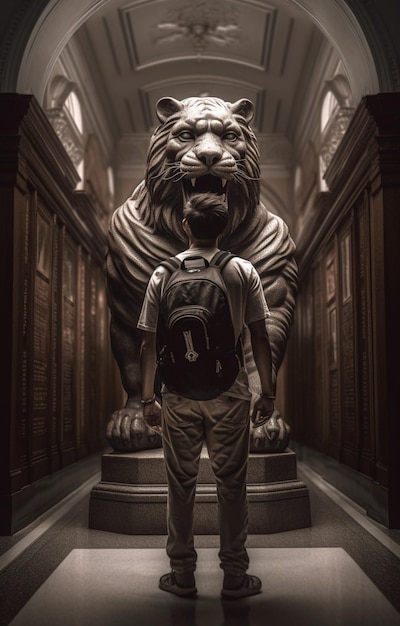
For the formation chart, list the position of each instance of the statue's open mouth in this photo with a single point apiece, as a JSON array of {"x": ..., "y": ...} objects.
[{"x": 204, "y": 184}]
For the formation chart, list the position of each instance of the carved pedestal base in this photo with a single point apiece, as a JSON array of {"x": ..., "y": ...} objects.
[{"x": 132, "y": 495}]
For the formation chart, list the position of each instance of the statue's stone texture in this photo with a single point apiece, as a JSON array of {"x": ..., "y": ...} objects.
[
  {"x": 147, "y": 228},
  {"x": 131, "y": 497}
]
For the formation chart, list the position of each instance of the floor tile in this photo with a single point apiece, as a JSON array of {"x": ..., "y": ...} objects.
[{"x": 117, "y": 587}]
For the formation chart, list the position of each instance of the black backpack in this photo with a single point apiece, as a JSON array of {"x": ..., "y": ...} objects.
[{"x": 197, "y": 354}]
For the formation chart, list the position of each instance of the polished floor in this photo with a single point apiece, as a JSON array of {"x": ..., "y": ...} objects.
[{"x": 343, "y": 571}]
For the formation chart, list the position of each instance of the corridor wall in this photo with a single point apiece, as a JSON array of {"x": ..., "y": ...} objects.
[
  {"x": 344, "y": 349},
  {"x": 58, "y": 374}
]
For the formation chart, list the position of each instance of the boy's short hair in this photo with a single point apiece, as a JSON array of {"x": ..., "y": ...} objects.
[{"x": 206, "y": 214}]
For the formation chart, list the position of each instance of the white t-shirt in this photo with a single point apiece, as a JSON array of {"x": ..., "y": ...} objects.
[{"x": 245, "y": 291}]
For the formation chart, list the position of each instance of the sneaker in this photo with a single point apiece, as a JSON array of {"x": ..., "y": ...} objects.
[
  {"x": 169, "y": 583},
  {"x": 250, "y": 586}
]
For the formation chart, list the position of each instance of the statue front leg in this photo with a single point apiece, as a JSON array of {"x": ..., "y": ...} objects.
[
  {"x": 127, "y": 431},
  {"x": 273, "y": 436}
]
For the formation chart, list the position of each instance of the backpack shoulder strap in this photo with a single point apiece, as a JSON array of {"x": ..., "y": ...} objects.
[
  {"x": 171, "y": 264},
  {"x": 221, "y": 258}
]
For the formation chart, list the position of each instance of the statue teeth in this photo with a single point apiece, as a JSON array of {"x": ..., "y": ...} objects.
[
  {"x": 224, "y": 181},
  {"x": 193, "y": 181}
]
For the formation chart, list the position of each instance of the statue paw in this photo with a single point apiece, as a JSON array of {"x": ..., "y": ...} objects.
[
  {"x": 127, "y": 431},
  {"x": 273, "y": 436}
]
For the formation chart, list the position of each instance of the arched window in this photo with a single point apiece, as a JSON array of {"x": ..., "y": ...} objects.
[
  {"x": 65, "y": 114},
  {"x": 73, "y": 106},
  {"x": 336, "y": 114},
  {"x": 329, "y": 105}
]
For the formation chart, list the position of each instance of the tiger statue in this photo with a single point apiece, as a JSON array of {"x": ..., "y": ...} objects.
[{"x": 201, "y": 145}]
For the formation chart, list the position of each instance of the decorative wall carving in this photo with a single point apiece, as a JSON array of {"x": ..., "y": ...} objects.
[
  {"x": 333, "y": 135},
  {"x": 68, "y": 134}
]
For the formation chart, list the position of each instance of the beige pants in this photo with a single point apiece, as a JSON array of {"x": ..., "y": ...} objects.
[{"x": 223, "y": 424}]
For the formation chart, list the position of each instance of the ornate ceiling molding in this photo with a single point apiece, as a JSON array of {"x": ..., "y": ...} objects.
[{"x": 201, "y": 24}]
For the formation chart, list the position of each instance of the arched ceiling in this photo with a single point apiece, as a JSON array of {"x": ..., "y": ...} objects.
[
  {"x": 128, "y": 54},
  {"x": 144, "y": 50},
  {"x": 53, "y": 23},
  {"x": 125, "y": 54}
]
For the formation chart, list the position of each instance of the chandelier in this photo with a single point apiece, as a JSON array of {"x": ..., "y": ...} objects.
[{"x": 201, "y": 23}]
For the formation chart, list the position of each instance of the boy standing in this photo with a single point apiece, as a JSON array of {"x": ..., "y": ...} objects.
[{"x": 222, "y": 423}]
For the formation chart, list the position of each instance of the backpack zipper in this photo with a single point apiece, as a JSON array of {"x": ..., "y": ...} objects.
[
  {"x": 176, "y": 315},
  {"x": 191, "y": 354}
]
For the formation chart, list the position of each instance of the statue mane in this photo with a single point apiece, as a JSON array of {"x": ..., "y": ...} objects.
[{"x": 161, "y": 197}]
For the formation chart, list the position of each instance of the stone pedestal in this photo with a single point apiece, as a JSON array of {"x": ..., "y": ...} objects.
[{"x": 131, "y": 497}]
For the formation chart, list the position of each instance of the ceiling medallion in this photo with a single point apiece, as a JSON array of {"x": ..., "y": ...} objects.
[{"x": 201, "y": 23}]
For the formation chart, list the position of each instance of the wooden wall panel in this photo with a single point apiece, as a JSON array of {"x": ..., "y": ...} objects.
[
  {"x": 346, "y": 327},
  {"x": 332, "y": 347},
  {"x": 41, "y": 341},
  {"x": 62, "y": 375},
  {"x": 352, "y": 246},
  {"x": 318, "y": 409},
  {"x": 21, "y": 387},
  {"x": 364, "y": 326},
  {"x": 69, "y": 356}
]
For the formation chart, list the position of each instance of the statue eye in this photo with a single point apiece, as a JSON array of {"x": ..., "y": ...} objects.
[
  {"x": 230, "y": 136},
  {"x": 186, "y": 135}
]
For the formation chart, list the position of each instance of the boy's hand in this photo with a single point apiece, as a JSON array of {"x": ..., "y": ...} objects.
[
  {"x": 262, "y": 410},
  {"x": 152, "y": 416}
]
